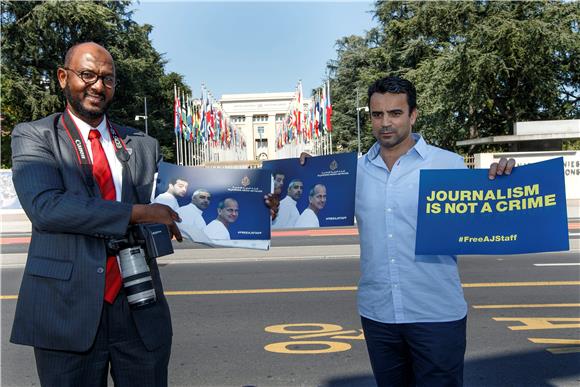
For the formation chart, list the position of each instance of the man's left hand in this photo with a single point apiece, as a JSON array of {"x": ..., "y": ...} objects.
[{"x": 503, "y": 167}]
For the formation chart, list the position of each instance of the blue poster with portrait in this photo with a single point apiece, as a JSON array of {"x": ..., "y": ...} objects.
[
  {"x": 464, "y": 212},
  {"x": 218, "y": 207},
  {"x": 317, "y": 194}
]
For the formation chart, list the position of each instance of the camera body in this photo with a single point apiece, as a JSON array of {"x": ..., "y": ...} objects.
[{"x": 142, "y": 243}]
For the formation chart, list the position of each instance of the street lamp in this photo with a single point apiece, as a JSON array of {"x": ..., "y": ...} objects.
[
  {"x": 358, "y": 109},
  {"x": 144, "y": 117}
]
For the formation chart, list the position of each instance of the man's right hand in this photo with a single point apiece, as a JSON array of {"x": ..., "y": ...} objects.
[
  {"x": 303, "y": 157},
  {"x": 157, "y": 213}
]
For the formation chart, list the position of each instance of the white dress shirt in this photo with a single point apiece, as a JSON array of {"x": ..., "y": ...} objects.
[
  {"x": 191, "y": 215},
  {"x": 307, "y": 219},
  {"x": 287, "y": 214},
  {"x": 168, "y": 199},
  {"x": 114, "y": 163},
  {"x": 216, "y": 230}
]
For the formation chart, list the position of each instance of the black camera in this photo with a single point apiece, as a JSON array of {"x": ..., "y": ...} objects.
[{"x": 142, "y": 243}]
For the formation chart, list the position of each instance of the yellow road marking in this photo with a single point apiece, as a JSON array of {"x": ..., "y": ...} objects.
[
  {"x": 339, "y": 289},
  {"x": 561, "y": 351},
  {"x": 303, "y": 328},
  {"x": 360, "y": 336},
  {"x": 553, "y": 341},
  {"x": 510, "y": 284},
  {"x": 318, "y": 347},
  {"x": 309, "y": 336},
  {"x": 260, "y": 291},
  {"x": 509, "y": 306},
  {"x": 530, "y": 323}
]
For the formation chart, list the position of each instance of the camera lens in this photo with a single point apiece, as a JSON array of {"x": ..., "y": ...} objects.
[{"x": 137, "y": 279}]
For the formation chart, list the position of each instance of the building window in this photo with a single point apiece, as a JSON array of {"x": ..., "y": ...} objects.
[
  {"x": 261, "y": 144},
  {"x": 280, "y": 117},
  {"x": 238, "y": 118},
  {"x": 260, "y": 130},
  {"x": 260, "y": 118}
]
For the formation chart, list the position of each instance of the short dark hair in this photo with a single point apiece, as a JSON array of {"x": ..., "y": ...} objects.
[
  {"x": 173, "y": 180},
  {"x": 395, "y": 85}
]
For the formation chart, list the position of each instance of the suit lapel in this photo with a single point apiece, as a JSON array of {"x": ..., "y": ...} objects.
[{"x": 129, "y": 167}]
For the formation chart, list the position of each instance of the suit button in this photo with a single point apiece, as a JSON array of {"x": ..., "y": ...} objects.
[{"x": 100, "y": 270}]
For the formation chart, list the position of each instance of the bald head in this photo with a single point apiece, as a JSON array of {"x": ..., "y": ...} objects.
[
  {"x": 82, "y": 48},
  {"x": 228, "y": 211}
]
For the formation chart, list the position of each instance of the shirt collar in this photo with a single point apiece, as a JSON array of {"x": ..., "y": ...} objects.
[
  {"x": 420, "y": 147},
  {"x": 86, "y": 128}
]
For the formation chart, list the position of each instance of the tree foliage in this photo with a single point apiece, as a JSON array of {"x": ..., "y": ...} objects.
[
  {"x": 479, "y": 66},
  {"x": 35, "y": 38}
]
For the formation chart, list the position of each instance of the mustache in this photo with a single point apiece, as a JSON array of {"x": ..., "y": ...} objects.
[
  {"x": 100, "y": 95},
  {"x": 386, "y": 129}
]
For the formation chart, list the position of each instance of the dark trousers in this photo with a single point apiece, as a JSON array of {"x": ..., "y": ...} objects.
[
  {"x": 117, "y": 343},
  {"x": 417, "y": 354}
]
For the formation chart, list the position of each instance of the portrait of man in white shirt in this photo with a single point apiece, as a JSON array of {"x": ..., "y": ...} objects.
[
  {"x": 177, "y": 187},
  {"x": 316, "y": 202},
  {"x": 192, "y": 214},
  {"x": 288, "y": 213},
  {"x": 228, "y": 211}
]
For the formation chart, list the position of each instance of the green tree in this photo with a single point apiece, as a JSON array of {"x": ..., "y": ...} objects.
[
  {"x": 35, "y": 38},
  {"x": 479, "y": 66}
]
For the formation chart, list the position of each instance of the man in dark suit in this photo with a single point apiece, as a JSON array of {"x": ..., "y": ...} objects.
[{"x": 82, "y": 180}]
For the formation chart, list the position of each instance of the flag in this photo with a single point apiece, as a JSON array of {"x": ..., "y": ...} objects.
[
  {"x": 328, "y": 107},
  {"x": 177, "y": 120},
  {"x": 203, "y": 125}
]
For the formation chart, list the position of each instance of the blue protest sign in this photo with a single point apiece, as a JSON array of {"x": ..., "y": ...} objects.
[
  {"x": 463, "y": 212},
  {"x": 219, "y": 207},
  {"x": 318, "y": 194}
]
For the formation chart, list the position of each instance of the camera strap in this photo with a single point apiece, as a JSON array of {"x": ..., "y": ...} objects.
[{"x": 80, "y": 147}]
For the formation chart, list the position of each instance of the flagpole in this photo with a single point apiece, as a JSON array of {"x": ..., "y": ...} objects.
[{"x": 175, "y": 123}]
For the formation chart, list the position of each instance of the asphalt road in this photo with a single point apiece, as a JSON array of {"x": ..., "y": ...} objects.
[{"x": 293, "y": 322}]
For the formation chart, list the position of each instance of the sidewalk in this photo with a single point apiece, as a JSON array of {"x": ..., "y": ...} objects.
[{"x": 14, "y": 221}]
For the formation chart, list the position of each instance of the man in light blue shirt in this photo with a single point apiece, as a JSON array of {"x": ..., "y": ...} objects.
[{"x": 412, "y": 306}]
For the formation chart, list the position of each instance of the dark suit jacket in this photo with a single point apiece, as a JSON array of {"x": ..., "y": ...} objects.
[{"x": 61, "y": 295}]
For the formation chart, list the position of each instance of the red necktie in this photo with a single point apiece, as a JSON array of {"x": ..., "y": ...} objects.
[{"x": 102, "y": 174}]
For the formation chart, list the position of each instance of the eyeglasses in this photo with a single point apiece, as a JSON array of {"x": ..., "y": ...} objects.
[{"x": 90, "y": 78}]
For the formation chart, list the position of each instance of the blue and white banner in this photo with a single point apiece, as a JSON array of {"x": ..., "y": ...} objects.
[
  {"x": 317, "y": 194},
  {"x": 463, "y": 212},
  {"x": 218, "y": 207}
]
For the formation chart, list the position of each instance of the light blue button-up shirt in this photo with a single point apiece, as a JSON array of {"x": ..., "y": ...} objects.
[{"x": 397, "y": 286}]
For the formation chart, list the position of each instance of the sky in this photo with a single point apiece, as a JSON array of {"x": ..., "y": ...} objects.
[{"x": 251, "y": 47}]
